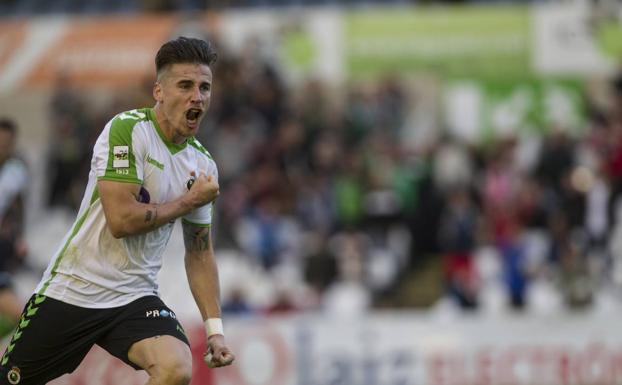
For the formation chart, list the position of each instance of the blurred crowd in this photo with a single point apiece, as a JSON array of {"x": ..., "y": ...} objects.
[
  {"x": 322, "y": 196},
  {"x": 15, "y": 8}
]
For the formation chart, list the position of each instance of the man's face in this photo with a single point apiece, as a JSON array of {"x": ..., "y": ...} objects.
[
  {"x": 7, "y": 141},
  {"x": 183, "y": 92}
]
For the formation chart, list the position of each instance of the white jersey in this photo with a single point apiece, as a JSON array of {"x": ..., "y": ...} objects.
[{"x": 92, "y": 268}]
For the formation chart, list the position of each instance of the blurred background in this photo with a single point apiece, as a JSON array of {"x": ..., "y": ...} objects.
[{"x": 412, "y": 192}]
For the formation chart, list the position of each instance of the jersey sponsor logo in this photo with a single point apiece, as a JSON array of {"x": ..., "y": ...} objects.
[
  {"x": 121, "y": 157},
  {"x": 155, "y": 162},
  {"x": 160, "y": 313},
  {"x": 14, "y": 376}
]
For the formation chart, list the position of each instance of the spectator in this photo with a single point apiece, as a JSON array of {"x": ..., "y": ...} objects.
[{"x": 13, "y": 248}]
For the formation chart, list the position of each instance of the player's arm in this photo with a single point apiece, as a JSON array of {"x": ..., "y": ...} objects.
[
  {"x": 202, "y": 273},
  {"x": 125, "y": 215}
]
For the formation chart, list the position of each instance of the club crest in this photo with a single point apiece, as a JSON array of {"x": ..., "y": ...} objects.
[{"x": 14, "y": 376}]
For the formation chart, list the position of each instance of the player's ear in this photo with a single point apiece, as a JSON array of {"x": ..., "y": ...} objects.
[{"x": 157, "y": 92}]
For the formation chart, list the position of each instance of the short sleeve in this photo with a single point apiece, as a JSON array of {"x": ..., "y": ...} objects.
[
  {"x": 120, "y": 150},
  {"x": 201, "y": 217}
]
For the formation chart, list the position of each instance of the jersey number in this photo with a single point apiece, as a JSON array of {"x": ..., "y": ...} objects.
[{"x": 133, "y": 114}]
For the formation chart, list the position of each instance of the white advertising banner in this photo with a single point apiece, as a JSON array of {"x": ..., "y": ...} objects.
[
  {"x": 401, "y": 349},
  {"x": 397, "y": 349},
  {"x": 570, "y": 39}
]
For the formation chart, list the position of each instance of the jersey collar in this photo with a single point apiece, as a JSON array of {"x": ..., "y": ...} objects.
[{"x": 174, "y": 148}]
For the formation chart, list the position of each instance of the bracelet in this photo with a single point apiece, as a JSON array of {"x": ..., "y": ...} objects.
[{"x": 213, "y": 326}]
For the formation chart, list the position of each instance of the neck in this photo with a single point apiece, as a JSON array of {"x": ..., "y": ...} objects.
[{"x": 167, "y": 128}]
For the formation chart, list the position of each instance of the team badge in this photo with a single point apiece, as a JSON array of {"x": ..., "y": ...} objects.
[
  {"x": 121, "y": 156},
  {"x": 14, "y": 376},
  {"x": 190, "y": 182}
]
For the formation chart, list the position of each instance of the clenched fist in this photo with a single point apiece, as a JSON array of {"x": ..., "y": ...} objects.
[{"x": 203, "y": 191}]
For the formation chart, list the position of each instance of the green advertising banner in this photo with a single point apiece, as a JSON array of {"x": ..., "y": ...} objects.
[
  {"x": 498, "y": 108},
  {"x": 534, "y": 106},
  {"x": 452, "y": 41},
  {"x": 483, "y": 56}
]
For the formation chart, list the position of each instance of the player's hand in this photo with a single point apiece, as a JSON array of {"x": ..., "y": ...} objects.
[
  {"x": 204, "y": 190},
  {"x": 218, "y": 354}
]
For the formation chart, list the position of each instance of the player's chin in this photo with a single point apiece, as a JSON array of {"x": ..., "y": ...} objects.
[{"x": 192, "y": 127}]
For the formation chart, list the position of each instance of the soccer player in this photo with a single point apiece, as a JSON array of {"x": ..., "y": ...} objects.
[
  {"x": 13, "y": 181},
  {"x": 100, "y": 287}
]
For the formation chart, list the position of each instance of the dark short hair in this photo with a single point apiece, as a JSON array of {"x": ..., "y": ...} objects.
[
  {"x": 185, "y": 50},
  {"x": 7, "y": 124}
]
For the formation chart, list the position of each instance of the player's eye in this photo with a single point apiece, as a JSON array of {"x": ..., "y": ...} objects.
[{"x": 205, "y": 87}]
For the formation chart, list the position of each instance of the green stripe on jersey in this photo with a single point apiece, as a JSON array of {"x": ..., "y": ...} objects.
[{"x": 76, "y": 227}]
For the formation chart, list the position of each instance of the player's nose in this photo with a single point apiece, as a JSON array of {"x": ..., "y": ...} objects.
[{"x": 197, "y": 95}]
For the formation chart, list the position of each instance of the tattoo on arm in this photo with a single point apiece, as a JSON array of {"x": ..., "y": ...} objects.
[
  {"x": 196, "y": 238},
  {"x": 151, "y": 216}
]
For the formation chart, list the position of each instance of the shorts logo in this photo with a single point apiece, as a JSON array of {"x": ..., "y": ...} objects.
[
  {"x": 160, "y": 313},
  {"x": 14, "y": 376},
  {"x": 121, "y": 157}
]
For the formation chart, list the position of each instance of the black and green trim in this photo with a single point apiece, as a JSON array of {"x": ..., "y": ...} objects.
[{"x": 31, "y": 309}]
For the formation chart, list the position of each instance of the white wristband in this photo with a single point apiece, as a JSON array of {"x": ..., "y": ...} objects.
[{"x": 214, "y": 326}]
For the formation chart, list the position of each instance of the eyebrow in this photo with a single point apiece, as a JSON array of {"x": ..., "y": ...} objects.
[
  {"x": 183, "y": 82},
  {"x": 192, "y": 81}
]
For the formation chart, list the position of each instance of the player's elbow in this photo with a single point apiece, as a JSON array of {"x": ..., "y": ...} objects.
[
  {"x": 118, "y": 229},
  {"x": 117, "y": 233}
]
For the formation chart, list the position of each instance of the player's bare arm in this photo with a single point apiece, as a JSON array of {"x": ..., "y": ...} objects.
[
  {"x": 202, "y": 275},
  {"x": 126, "y": 216}
]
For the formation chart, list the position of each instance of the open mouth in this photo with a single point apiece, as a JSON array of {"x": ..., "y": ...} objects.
[{"x": 193, "y": 115}]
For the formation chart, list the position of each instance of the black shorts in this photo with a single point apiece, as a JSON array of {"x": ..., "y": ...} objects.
[{"x": 53, "y": 337}]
